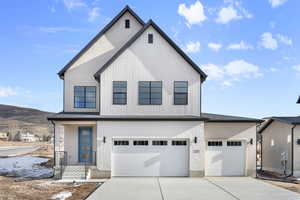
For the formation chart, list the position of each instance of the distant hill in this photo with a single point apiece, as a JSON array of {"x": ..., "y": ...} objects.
[{"x": 15, "y": 119}]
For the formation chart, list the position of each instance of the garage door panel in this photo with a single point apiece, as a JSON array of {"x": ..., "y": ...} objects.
[
  {"x": 150, "y": 160},
  {"x": 225, "y": 160}
]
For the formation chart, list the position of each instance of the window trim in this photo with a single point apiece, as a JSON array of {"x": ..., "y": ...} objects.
[
  {"x": 118, "y": 93},
  {"x": 187, "y": 94},
  {"x": 161, "y": 93},
  {"x": 74, "y": 104},
  {"x": 127, "y": 22}
]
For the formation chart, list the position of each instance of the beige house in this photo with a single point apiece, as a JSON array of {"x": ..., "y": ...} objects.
[
  {"x": 281, "y": 145},
  {"x": 132, "y": 107}
]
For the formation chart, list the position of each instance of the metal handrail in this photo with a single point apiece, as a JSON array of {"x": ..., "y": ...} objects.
[{"x": 62, "y": 156}]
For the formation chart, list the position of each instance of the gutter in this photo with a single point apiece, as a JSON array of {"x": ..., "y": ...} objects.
[
  {"x": 292, "y": 150},
  {"x": 53, "y": 142}
]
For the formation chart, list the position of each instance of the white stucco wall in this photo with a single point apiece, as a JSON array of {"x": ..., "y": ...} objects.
[
  {"x": 150, "y": 62},
  {"x": 170, "y": 129},
  {"x": 238, "y": 131},
  {"x": 81, "y": 73},
  {"x": 276, "y": 139}
]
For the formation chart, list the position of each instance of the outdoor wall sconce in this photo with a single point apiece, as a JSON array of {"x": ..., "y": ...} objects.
[
  {"x": 195, "y": 140},
  {"x": 251, "y": 141},
  {"x": 104, "y": 139}
]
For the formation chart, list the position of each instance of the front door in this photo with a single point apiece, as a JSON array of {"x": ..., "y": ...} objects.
[{"x": 85, "y": 142}]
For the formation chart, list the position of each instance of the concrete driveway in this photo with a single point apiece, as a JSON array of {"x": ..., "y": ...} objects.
[{"x": 231, "y": 188}]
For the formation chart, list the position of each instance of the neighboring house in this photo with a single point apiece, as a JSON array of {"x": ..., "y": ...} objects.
[
  {"x": 281, "y": 141},
  {"x": 3, "y": 136},
  {"x": 132, "y": 107},
  {"x": 27, "y": 137}
]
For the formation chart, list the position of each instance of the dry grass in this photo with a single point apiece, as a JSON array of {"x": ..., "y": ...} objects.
[{"x": 41, "y": 189}]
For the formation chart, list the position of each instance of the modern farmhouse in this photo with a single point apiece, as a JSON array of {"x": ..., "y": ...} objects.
[{"x": 132, "y": 107}]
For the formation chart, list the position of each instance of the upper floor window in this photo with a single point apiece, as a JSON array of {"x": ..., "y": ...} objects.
[
  {"x": 150, "y": 92},
  {"x": 85, "y": 97},
  {"x": 150, "y": 38},
  {"x": 127, "y": 23},
  {"x": 120, "y": 92},
  {"x": 180, "y": 92}
]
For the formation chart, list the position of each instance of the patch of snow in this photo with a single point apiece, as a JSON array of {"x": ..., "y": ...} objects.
[
  {"x": 25, "y": 166},
  {"x": 62, "y": 195}
]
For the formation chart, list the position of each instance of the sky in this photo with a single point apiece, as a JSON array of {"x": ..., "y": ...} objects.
[{"x": 249, "y": 49}]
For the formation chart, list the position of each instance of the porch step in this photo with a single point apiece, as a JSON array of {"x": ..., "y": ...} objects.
[{"x": 74, "y": 172}]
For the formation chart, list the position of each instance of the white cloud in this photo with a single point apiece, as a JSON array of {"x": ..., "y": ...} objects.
[
  {"x": 7, "y": 91},
  {"x": 214, "y": 46},
  {"x": 93, "y": 14},
  {"x": 227, "y": 83},
  {"x": 72, "y": 4},
  {"x": 297, "y": 68},
  {"x": 284, "y": 39},
  {"x": 268, "y": 41},
  {"x": 227, "y": 14},
  {"x": 214, "y": 72},
  {"x": 192, "y": 47},
  {"x": 273, "y": 69},
  {"x": 241, "y": 68},
  {"x": 276, "y": 3},
  {"x": 240, "y": 46},
  {"x": 57, "y": 29},
  {"x": 193, "y": 14},
  {"x": 234, "y": 11}
]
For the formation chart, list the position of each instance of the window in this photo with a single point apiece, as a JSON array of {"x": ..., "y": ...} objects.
[
  {"x": 127, "y": 23},
  {"x": 85, "y": 97},
  {"x": 150, "y": 92},
  {"x": 120, "y": 92},
  {"x": 179, "y": 142},
  {"x": 140, "y": 143},
  {"x": 150, "y": 38},
  {"x": 214, "y": 143},
  {"x": 298, "y": 141},
  {"x": 159, "y": 143},
  {"x": 121, "y": 142},
  {"x": 180, "y": 92},
  {"x": 234, "y": 143}
]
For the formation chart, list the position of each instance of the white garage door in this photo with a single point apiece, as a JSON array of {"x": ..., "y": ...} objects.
[
  {"x": 225, "y": 158},
  {"x": 150, "y": 157}
]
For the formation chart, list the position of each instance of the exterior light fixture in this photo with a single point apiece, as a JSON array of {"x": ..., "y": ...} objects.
[
  {"x": 195, "y": 140},
  {"x": 104, "y": 139},
  {"x": 251, "y": 141}
]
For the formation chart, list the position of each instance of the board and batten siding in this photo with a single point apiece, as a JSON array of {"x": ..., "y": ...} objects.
[
  {"x": 150, "y": 62},
  {"x": 81, "y": 73}
]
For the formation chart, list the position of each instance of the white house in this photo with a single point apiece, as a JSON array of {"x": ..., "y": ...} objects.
[
  {"x": 281, "y": 145},
  {"x": 27, "y": 137},
  {"x": 132, "y": 107}
]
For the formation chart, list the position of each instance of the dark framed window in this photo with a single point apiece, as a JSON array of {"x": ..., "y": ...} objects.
[
  {"x": 127, "y": 23},
  {"x": 85, "y": 96},
  {"x": 214, "y": 143},
  {"x": 234, "y": 143},
  {"x": 150, "y": 92},
  {"x": 179, "y": 142},
  {"x": 120, "y": 92},
  {"x": 150, "y": 38},
  {"x": 121, "y": 142},
  {"x": 180, "y": 92},
  {"x": 159, "y": 143},
  {"x": 140, "y": 143}
]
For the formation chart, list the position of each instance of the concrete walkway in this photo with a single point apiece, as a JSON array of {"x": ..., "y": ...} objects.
[
  {"x": 231, "y": 188},
  {"x": 16, "y": 150}
]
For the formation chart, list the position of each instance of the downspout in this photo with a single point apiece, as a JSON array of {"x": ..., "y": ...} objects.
[
  {"x": 257, "y": 126},
  {"x": 292, "y": 150},
  {"x": 53, "y": 142}
]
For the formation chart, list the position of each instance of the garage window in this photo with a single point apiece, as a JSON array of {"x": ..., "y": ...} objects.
[
  {"x": 214, "y": 143},
  {"x": 121, "y": 143},
  {"x": 159, "y": 143},
  {"x": 179, "y": 142},
  {"x": 140, "y": 143},
  {"x": 234, "y": 143}
]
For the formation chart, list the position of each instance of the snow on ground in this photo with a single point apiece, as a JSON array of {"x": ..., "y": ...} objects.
[
  {"x": 25, "y": 166},
  {"x": 62, "y": 195}
]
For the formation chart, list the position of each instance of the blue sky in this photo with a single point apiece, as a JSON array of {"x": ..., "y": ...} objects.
[{"x": 249, "y": 49}]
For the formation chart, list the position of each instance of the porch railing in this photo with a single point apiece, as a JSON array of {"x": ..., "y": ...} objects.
[
  {"x": 89, "y": 162},
  {"x": 62, "y": 159}
]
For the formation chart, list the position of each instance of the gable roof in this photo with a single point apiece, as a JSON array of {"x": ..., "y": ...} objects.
[
  {"x": 298, "y": 101},
  {"x": 228, "y": 118},
  {"x": 136, "y": 36},
  {"x": 103, "y": 31},
  {"x": 287, "y": 120}
]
